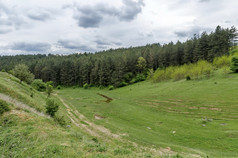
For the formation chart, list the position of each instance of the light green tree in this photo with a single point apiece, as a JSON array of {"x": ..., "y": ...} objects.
[
  {"x": 22, "y": 72},
  {"x": 141, "y": 64},
  {"x": 49, "y": 88}
]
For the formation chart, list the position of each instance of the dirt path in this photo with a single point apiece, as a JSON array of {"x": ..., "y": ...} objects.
[
  {"x": 21, "y": 105},
  {"x": 81, "y": 121},
  {"x": 104, "y": 96}
]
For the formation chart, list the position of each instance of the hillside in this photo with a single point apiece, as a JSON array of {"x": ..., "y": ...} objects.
[
  {"x": 197, "y": 116},
  {"x": 27, "y": 131}
]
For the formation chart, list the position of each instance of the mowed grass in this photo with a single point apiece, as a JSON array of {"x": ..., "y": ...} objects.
[{"x": 197, "y": 116}]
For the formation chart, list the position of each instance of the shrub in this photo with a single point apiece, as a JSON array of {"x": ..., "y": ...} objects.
[
  {"x": 3, "y": 107},
  {"x": 49, "y": 87},
  {"x": 49, "y": 90},
  {"x": 51, "y": 107},
  {"x": 128, "y": 76},
  {"x": 138, "y": 78},
  {"x": 60, "y": 120},
  {"x": 101, "y": 87},
  {"x": 234, "y": 64},
  {"x": 3, "y": 70},
  {"x": 188, "y": 78},
  {"x": 110, "y": 87},
  {"x": 122, "y": 84},
  {"x": 222, "y": 61},
  {"x": 58, "y": 87},
  {"x": 39, "y": 85},
  {"x": 150, "y": 73},
  {"x": 85, "y": 86}
]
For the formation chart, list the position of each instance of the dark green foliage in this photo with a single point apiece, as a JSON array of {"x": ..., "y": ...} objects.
[
  {"x": 110, "y": 87},
  {"x": 188, "y": 78},
  {"x": 32, "y": 95},
  {"x": 122, "y": 84},
  {"x": 60, "y": 120},
  {"x": 51, "y": 107},
  {"x": 138, "y": 78},
  {"x": 95, "y": 140},
  {"x": 128, "y": 77},
  {"x": 3, "y": 70},
  {"x": 58, "y": 87},
  {"x": 39, "y": 85},
  {"x": 22, "y": 72},
  {"x": 4, "y": 107},
  {"x": 85, "y": 86},
  {"x": 112, "y": 67},
  {"x": 234, "y": 64}
]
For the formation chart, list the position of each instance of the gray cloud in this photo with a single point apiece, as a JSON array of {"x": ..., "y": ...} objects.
[
  {"x": 227, "y": 21},
  {"x": 90, "y": 20},
  {"x": 75, "y": 45},
  {"x": 102, "y": 43},
  {"x": 4, "y": 31},
  {"x": 30, "y": 47},
  {"x": 39, "y": 14},
  {"x": 130, "y": 9},
  {"x": 8, "y": 16},
  {"x": 204, "y": 0},
  {"x": 191, "y": 31},
  {"x": 92, "y": 16}
]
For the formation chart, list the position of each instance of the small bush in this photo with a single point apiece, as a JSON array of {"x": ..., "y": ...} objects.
[
  {"x": 85, "y": 86},
  {"x": 188, "y": 78},
  {"x": 51, "y": 107},
  {"x": 110, "y": 87},
  {"x": 3, "y": 70},
  {"x": 3, "y": 107},
  {"x": 101, "y": 87},
  {"x": 138, "y": 78},
  {"x": 60, "y": 120},
  {"x": 128, "y": 76},
  {"x": 49, "y": 89},
  {"x": 58, "y": 87},
  {"x": 39, "y": 85},
  {"x": 123, "y": 84},
  {"x": 234, "y": 64}
]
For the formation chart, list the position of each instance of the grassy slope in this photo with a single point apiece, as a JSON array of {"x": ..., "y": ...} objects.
[
  {"x": 24, "y": 134},
  {"x": 198, "y": 116}
]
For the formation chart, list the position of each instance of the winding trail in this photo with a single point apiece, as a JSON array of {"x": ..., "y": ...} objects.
[
  {"x": 22, "y": 105},
  {"x": 81, "y": 121}
]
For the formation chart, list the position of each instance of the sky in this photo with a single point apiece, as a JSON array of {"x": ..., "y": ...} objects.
[{"x": 77, "y": 26}]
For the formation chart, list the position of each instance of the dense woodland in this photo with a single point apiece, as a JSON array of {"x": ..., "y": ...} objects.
[{"x": 120, "y": 66}]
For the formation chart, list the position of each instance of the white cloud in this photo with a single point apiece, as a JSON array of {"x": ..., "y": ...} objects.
[{"x": 64, "y": 26}]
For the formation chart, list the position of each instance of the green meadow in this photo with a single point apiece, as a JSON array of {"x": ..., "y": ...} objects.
[{"x": 197, "y": 116}]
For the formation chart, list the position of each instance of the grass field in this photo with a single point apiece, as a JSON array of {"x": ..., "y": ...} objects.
[
  {"x": 23, "y": 133},
  {"x": 192, "y": 118},
  {"x": 197, "y": 116}
]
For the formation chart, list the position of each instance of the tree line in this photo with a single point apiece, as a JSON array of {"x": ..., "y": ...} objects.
[{"x": 122, "y": 66}]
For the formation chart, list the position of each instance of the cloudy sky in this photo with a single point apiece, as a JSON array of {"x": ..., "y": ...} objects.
[{"x": 74, "y": 26}]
